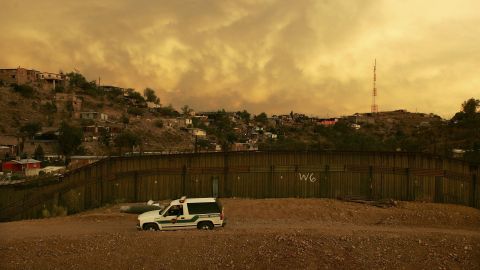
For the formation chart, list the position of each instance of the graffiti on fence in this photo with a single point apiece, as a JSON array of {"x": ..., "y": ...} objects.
[{"x": 307, "y": 177}]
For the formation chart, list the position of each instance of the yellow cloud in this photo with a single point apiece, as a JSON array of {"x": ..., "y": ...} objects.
[{"x": 276, "y": 56}]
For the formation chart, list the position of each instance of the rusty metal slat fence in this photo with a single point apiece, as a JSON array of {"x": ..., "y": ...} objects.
[{"x": 374, "y": 175}]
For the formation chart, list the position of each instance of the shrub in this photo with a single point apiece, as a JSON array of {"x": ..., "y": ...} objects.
[
  {"x": 135, "y": 111},
  {"x": 24, "y": 90},
  {"x": 86, "y": 122},
  {"x": 158, "y": 123}
]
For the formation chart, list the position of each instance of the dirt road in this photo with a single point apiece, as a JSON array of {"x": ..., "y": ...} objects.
[{"x": 261, "y": 234}]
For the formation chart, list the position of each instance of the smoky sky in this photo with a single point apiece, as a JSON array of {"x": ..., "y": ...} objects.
[{"x": 309, "y": 56}]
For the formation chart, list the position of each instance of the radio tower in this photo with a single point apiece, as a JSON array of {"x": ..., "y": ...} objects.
[{"x": 374, "y": 94}]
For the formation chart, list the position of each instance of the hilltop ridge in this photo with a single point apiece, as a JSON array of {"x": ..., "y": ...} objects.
[{"x": 111, "y": 120}]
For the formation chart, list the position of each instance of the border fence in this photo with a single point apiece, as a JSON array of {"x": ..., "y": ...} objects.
[{"x": 279, "y": 174}]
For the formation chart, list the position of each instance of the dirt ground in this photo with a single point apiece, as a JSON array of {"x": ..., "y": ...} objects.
[{"x": 261, "y": 234}]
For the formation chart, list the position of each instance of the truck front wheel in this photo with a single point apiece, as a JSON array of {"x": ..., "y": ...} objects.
[{"x": 150, "y": 227}]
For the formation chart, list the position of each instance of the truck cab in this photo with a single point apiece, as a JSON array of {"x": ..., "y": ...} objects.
[{"x": 184, "y": 213}]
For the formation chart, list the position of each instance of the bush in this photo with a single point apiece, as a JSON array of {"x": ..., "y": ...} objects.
[
  {"x": 56, "y": 211},
  {"x": 59, "y": 89},
  {"x": 49, "y": 108},
  {"x": 158, "y": 123},
  {"x": 135, "y": 111},
  {"x": 168, "y": 111},
  {"x": 86, "y": 122},
  {"x": 24, "y": 90}
]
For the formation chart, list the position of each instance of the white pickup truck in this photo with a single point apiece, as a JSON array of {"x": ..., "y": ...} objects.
[{"x": 184, "y": 213}]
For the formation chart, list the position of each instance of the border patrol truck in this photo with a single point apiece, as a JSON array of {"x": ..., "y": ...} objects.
[{"x": 184, "y": 213}]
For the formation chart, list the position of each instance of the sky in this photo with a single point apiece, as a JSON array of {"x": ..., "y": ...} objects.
[{"x": 275, "y": 56}]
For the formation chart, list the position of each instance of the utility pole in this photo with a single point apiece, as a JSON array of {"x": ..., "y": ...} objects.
[{"x": 374, "y": 94}]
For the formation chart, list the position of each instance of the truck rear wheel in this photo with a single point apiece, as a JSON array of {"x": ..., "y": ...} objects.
[{"x": 205, "y": 225}]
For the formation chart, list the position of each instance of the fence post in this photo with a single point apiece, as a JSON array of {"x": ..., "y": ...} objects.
[
  {"x": 135, "y": 188},
  {"x": 327, "y": 186},
  {"x": 270, "y": 193},
  {"x": 184, "y": 180},
  {"x": 473, "y": 191},
  {"x": 100, "y": 186},
  {"x": 439, "y": 182},
  {"x": 409, "y": 184},
  {"x": 370, "y": 181},
  {"x": 226, "y": 183}
]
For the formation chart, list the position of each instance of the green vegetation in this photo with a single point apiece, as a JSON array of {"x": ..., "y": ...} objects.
[
  {"x": 168, "y": 111},
  {"x": 158, "y": 123},
  {"x": 223, "y": 130},
  {"x": 244, "y": 115},
  {"x": 150, "y": 95},
  {"x": 261, "y": 118},
  {"x": 77, "y": 80},
  {"x": 69, "y": 139},
  {"x": 186, "y": 110},
  {"x": 24, "y": 90},
  {"x": 124, "y": 119},
  {"x": 30, "y": 129},
  {"x": 39, "y": 154},
  {"x": 127, "y": 139},
  {"x": 135, "y": 111}
]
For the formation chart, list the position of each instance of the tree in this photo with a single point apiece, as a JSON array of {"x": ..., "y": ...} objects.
[
  {"x": 244, "y": 115},
  {"x": 69, "y": 139},
  {"x": 77, "y": 80},
  {"x": 49, "y": 109},
  {"x": 30, "y": 129},
  {"x": 105, "y": 139},
  {"x": 261, "y": 118},
  {"x": 168, "y": 111},
  {"x": 150, "y": 95},
  {"x": 469, "y": 115},
  {"x": 69, "y": 108},
  {"x": 24, "y": 90},
  {"x": 186, "y": 110},
  {"x": 135, "y": 111},
  {"x": 125, "y": 120},
  {"x": 127, "y": 139},
  {"x": 39, "y": 154},
  {"x": 224, "y": 130},
  {"x": 135, "y": 95},
  {"x": 471, "y": 106}
]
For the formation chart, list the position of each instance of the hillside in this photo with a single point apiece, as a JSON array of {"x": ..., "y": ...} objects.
[
  {"x": 19, "y": 111},
  {"x": 108, "y": 120}
]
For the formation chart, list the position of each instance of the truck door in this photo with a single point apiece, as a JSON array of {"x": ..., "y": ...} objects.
[{"x": 172, "y": 217}]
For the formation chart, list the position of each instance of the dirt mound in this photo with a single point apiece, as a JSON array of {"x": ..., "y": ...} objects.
[
  {"x": 334, "y": 211},
  {"x": 261, "y": 234}
]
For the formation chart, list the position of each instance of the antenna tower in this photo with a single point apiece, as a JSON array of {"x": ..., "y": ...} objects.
[{"x": 374, "y": 94}]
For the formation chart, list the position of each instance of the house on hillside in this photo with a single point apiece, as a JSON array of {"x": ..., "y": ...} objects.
[
  {"x": 27, "y": 167},
  {"x": 94, "y": 116},
  {"x": 111, "y": 88},
  {"x": 152, "y": 106},
  {"x": 244, "y": 147},
  {"x": 197, "y": 132},
  {"x": 93, "y": 132},
  {"x": 327, "y": 121},
  {"x": 8, "y": 146},
  {"x": 45, "y": 80}
]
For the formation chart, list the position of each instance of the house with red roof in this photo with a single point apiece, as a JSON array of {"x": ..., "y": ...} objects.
[{"x": 27, "y": 167}]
